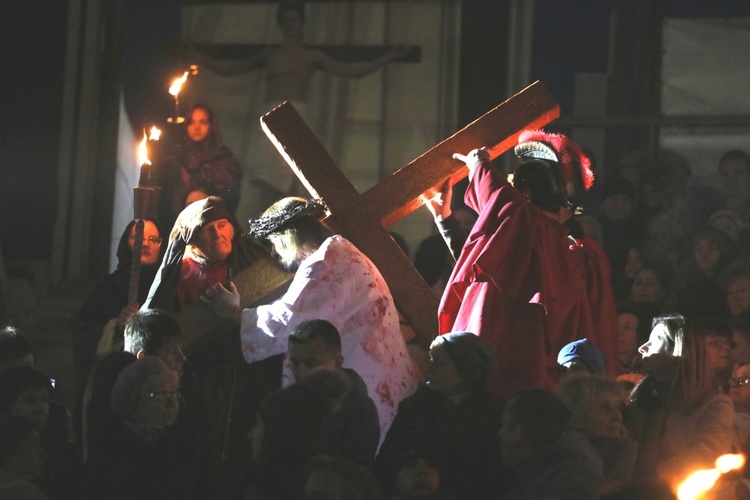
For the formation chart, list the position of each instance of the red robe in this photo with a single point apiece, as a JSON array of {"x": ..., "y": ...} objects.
[
  {"x": 517, "y": 284},
  {"x": 601, "y": 300}
]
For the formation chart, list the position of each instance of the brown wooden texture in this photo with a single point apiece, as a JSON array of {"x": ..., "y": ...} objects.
[
  {"x": 320, "y": 175},
  {"x": 407, "y": 189}
]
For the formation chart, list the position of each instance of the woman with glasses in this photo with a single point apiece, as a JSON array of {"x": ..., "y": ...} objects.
[
  {"x": 717, "y": 339},
  {"x": 106, "y": 310},
  {"x": 682, "y": 420},
  {"x": 149, "y": 454}
]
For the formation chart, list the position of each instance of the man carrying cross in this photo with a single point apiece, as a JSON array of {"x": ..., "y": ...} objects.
[{"x": 333, "y": 281}]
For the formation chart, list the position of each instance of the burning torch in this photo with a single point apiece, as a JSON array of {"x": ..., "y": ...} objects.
[
  {"x": 174, "y": 90},
  {"x": 144, "y": 206}
]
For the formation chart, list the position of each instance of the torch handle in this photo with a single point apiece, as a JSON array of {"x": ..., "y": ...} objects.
[{"x": 135, "y": 265}]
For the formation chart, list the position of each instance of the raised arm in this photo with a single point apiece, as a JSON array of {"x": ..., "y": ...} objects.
[
  {"x": 358, "y": 70},
  {"x": 227, "y": 67}
]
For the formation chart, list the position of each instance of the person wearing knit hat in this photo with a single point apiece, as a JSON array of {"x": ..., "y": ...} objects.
[
  {"x": 333, "y": 281},
  {"x": 581, "y": 356},
  {"x": 148, "y": 452},
  {"x": 472, "y": 356}
]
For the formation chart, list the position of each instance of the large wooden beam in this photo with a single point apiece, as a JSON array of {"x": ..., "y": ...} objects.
[
  {"x": 322, "y": 177},
  {"x": 407, "y": 189}
]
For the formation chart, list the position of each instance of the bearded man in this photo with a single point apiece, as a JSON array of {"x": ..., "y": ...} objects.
[{"x": 333, "y": 281}]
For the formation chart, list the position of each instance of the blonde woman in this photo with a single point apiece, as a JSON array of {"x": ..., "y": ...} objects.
[{"x": 682, "y": 420}]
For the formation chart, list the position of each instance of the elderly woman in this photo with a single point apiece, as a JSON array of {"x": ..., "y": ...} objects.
[
  {"x": 206, "y": 247},
  {"x": 684, "y": 422},
  {"x": 457, "y": 410},
  {"x": 595, "y": 404},
  {"x": 146, "y": 456}
]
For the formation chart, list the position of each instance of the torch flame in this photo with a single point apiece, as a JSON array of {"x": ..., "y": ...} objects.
[
  {"x": 726, "y": 463},
  {"x": 154, "y": 134},
  {"x": 177, "y": 84},
  {"x": 699, "y": 482},
  {"x": 143, "y": 151}
]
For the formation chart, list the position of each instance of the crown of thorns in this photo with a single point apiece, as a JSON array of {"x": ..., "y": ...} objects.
[{"x": 269, "y": 224}]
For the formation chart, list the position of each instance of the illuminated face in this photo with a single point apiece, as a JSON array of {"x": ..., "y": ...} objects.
[
  {"x": 306, "y": 356},
  {"x": 706, "y": 255},
  {"x": 151, "y": 243},
  {"x": 32, "y": 404},
  {"x": 627, "y": 337},
  {"x": 214, "y": 240},
  {"x": 199, "y": 125},
  {"x": 159, "y": 402},
  {"x": 740, "y": 394},
  {"x": 738, "y": 295},
  {"x": 658, "y": 342},
  {"x": 417, "y": 478},
  {"x": 442, "y": 374},
  {"x": 172, "y": 356},
  {"x": 603, "y": 418},
  {"x": 646, "y": 287},
  {"x": 718, "y": 351}
]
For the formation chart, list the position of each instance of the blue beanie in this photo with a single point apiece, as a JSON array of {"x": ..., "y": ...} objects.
[{"x": 585, "y": 351}]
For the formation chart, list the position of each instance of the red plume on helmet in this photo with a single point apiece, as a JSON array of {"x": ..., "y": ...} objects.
[{"x": 576, "y": 166}]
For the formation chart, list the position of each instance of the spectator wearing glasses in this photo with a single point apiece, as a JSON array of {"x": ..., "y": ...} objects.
[
  {"x": 149, "y": 333},
  {"x": 717, "y": 338},
  {"x": 105, "y": 312},
  {"x": 739, "y": 392},
  {"x": 147, "y": 454}
]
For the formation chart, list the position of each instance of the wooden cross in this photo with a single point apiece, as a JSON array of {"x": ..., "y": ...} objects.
[
  {"x": 343, "y": 53},
  {"x": 362, "y": 217}
]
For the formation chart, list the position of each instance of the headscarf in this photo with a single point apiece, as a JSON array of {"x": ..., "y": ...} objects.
[
  {"x": 473, "y": 356},
  {"x": 163, "y": 293}
]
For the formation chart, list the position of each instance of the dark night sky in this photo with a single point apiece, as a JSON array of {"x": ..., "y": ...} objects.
[{"x": 33, "y": 54}]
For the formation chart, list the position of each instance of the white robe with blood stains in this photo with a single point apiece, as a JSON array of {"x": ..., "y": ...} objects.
[{"x": 340, "y": 284}]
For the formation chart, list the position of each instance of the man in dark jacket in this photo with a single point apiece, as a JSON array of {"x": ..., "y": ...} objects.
[{"x": 354, "y": 429}]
